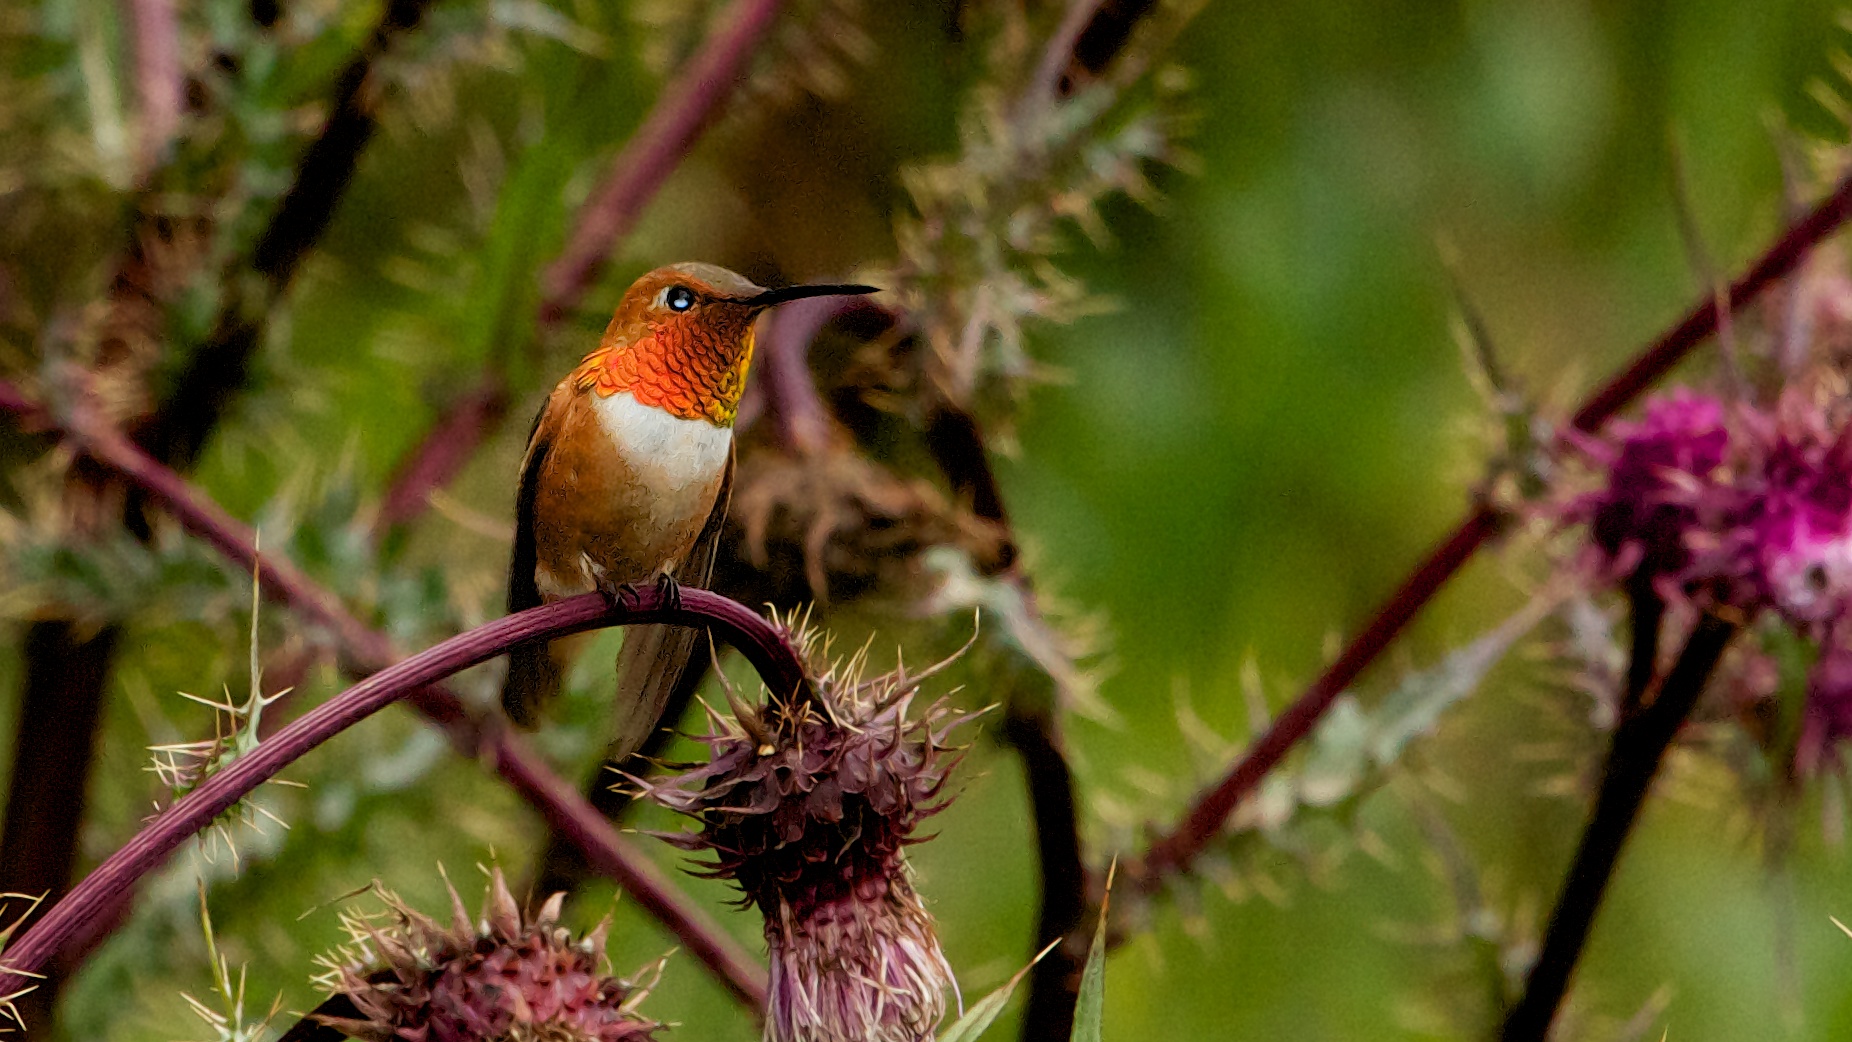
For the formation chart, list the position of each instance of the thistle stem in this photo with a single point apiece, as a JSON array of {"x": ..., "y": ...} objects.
[
  {"x": 1054, "y": 983},
  {"x": 366, "y": 650},
  {"x": 1647, "y": 613},
  {"x": 1174, "y": 851},
  {"x": 409, "y": 678},
  {"x": 1032, "y": 727},
  {"x": 1639, "y": 746}
]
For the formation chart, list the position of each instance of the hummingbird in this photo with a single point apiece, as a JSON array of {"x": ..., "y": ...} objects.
[{"x": 627, "y": 473}]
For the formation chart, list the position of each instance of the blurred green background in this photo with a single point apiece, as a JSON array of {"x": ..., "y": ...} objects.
[{"x": 1236, "y": 462}]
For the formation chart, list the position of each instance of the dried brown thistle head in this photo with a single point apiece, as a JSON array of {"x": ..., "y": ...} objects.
[
  {"x": 850, "y": 524},
  {"x": 506, "y": 976},
  {"x": 807, "y": 807}
]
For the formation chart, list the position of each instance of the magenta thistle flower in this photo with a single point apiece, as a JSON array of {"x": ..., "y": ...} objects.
[
  {"x": 1742, "y": 508},
  {"x": 506, "y": 978},
  {"x": 1662, "y": 480},
  {"x": 1795, "y": 519},
  {"x": 807, "y": 807},
  {"x": 1737, "y": 506}
]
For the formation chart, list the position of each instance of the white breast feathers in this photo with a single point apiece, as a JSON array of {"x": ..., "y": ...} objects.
[{"x": 676, "y": 459}]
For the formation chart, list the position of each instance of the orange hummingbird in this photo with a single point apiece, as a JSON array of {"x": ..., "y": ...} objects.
[{"x": 627, "y": 474}]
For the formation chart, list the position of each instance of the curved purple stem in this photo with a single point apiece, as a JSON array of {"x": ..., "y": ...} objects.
[
  {"x": 365, "y": 650},
  {"x": 732, "y": 621}
]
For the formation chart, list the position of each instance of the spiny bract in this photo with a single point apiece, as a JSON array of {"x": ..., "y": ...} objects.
[{"x": 507, "y": 977}]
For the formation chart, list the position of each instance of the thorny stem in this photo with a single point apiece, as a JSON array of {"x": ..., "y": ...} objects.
[
  {"x": 179, "y": 429},
  {"x": 1639, "y": 746},
  {"x": 957, "y": 445},
  {"x": 367, "y": 650},
  {"x": 410, "y": 678},
  {"x": 1176, "y": 850},
  {"x": 685, "y": 109},
  {"x": 177, "y": 433}
]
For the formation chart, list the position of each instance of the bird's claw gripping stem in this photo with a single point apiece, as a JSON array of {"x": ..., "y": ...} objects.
[{"x": 629, "y": 596}]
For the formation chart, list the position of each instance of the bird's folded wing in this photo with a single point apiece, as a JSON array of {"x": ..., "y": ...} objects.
[{"x": 533, "y": 674}]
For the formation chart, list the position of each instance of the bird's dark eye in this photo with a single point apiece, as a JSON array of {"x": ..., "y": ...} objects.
[{"x": 678, "y": 298}]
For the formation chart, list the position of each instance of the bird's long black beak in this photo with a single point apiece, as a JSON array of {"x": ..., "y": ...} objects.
[{"x": 774, "y": 297}]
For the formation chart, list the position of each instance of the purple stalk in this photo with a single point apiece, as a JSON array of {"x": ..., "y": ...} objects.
[
  {"x": 197, "y": 810},
  {"x": 1175, "y": 850},
  {"x": 366, "y": 650},
  {"x": 1634, "y": 756},
  {"x": 686, "y": 109},
  {"x": 446, "y": 447}
]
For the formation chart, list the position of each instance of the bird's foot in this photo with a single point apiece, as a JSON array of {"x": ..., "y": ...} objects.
[{"x": 630, "y": 597}]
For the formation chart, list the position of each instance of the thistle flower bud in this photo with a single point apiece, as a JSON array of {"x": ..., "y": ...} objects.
[
  {"x": 505, "y": 977},
  {"x": 1661, "y": 483},
  {"x": 1742, "y": 506},
  {"x": 1795, "y": 523},
  {"x": 807, "y": 806}
]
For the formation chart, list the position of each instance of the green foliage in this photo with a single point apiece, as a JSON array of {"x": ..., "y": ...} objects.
[
  {"x": 1090, "y": 1003},
  {"x": 225, "y": 1014},
  {"x": 1232, "y": 463},
  {"x": 977, "y": 258},
  {"x": 984, "y": 1012}
]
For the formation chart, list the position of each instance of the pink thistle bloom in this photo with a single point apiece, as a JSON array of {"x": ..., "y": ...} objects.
[
  {"x": 1662, "y": 482},
  {"x": 1795, "y": 521}
]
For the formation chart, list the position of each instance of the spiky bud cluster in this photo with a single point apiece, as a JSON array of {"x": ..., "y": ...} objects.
[
  {"x": 1743, "y": 508},
  {"x": 504, "y": 977},
  {"x": 807, "y": 806},
  {"x": 1734, "y": 505}
]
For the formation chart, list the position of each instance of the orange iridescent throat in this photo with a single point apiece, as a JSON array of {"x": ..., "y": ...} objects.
[{"x": 685, "y": 368}]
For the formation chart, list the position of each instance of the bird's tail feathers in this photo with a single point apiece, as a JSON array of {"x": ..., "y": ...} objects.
[
  {"x": 534, "y": 679},
  {"x": 648, "y": 668}
]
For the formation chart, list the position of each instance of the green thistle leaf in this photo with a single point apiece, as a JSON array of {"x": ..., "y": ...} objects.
[
  {"x": 1090, "y": 1006},
  {"x": 979, "y": 1017}
]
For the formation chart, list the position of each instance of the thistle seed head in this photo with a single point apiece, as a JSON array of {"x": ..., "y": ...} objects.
[
  {"x": 807, "y": 807},
  {"x": 504, "y": 976}
]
